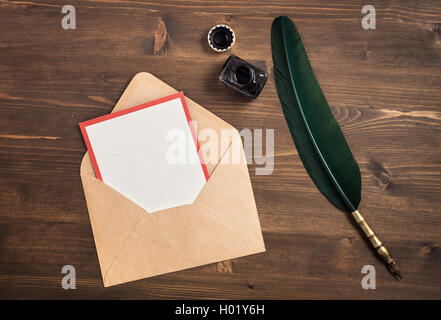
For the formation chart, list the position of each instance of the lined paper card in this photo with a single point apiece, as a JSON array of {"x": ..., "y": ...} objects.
[{"x": 139, "y": 152}]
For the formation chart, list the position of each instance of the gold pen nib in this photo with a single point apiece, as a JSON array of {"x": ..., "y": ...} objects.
[{"x": 394, "y": 269}]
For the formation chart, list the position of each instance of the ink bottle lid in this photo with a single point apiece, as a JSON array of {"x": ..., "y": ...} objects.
[{"x": 221, "y": 38}]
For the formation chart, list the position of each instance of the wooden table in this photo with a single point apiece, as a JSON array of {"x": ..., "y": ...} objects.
[{"x": 383, "y": 85}]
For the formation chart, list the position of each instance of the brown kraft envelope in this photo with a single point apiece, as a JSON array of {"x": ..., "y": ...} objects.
[{"x": 221, "y": 224}]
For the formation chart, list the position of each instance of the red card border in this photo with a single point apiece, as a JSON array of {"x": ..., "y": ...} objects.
[{"x": 180, "y": 95}]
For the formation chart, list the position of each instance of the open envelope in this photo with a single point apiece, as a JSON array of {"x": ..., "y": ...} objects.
[{"x": 221, "y": 224}]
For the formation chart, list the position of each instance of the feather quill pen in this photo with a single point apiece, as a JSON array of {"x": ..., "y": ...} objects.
[{"x": 318, "y": 138}]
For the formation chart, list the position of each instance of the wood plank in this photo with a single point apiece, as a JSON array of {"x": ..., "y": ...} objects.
[{"x": 383, "y": 87}]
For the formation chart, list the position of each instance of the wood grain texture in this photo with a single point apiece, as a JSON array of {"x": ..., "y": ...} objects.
[{"x": 383, "y": 85}]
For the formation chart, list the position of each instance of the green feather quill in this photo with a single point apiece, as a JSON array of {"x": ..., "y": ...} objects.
[
  {"x": 317, "y": 135},
  {"x": 318, "y": 138}
]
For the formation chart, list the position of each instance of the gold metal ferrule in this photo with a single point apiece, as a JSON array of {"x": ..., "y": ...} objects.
[{"x": 378, "y": 246}]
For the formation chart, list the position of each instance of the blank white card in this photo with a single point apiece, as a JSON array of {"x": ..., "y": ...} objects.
[{"x": 148, "y": 153}]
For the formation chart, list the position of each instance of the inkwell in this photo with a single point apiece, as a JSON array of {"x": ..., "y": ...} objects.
[{"x": 236, "y": 73}]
